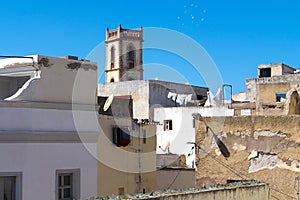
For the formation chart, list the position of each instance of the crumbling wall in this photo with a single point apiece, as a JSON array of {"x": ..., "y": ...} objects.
[
  {"x": 292, "y": 104},
  {"x": 265, "y": 148},
  {"x": 245, "y": 190}
]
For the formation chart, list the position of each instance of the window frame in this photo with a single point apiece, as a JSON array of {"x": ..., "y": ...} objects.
[
  {"x": 131, "y": 56},
  {"x": 144, "y": 135},
  {"x": 265, "y": 72},
  {"x": 18, "y": 184},
  {"x": 281, "y": 95},
  {"x": 168, "y": 125},
  {"x": 112, "y": 57},
  {"x": 75, "y": 182}
]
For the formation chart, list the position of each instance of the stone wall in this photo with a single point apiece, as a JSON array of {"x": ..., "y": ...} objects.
[
  {"x": 264, "y": 89},
  {"x": 265, "y": 148}
]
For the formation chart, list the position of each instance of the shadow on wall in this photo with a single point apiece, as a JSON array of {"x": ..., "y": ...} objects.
[{"x": 293, "y": 102}]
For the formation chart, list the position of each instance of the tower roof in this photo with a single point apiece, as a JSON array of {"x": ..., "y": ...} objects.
[{"x": 124, "y": 33}]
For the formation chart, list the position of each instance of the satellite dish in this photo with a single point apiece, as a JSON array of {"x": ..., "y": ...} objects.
[
  {"x": 222, "y": 147},
  {"x": 207, "y": 141},
  {"x": 108, "y": 102}
]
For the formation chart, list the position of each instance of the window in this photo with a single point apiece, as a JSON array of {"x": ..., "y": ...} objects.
[
  {"x": 121, "y": 136},
  {"x": 10, "y": 186},
  {"x": 265, "y": 72},
  {"x": 112, "y": 57},
  {"x": 121, "y": 191},
  {"x": 280, "y": 97},
  {"x": 130, "y": 56},
  {"x": 67, "y": 184},
  {"x": 144, "y": 136},
  {"x": 168, "y": 125}
]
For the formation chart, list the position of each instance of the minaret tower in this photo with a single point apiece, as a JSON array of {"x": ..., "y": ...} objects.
[{"x": 124, "y": 54}]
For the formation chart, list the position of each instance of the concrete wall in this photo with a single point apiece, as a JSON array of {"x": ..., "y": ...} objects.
[
  {"x": 175, "y": 178},
  {"x": 139, "y": 91},
  {"x": 266, "y": 93},
  {"x": 38, "y": 163},
  {"x": 159, "y": 90},
  {"x": 277, "y": 69},
  {"x": 251, "y": 90},
  {"x": 263, "y": 90},
  {"x": 257, "y": 192},
  {"x": 61, "y": 80},
  {"x": 132, "y": 167},
  {"x": 264, "y": 148},
  {"x": 41, "y": 119},
  {"x": 148, "y": 94},
  {"x": 245, "y": 190}
]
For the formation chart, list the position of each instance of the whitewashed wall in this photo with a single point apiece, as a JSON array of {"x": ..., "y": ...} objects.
[
  {"x": 183, "y": 130},
  {"x": 39, "y": 162}
]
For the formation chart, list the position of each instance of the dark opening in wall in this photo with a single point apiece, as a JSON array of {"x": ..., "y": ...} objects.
[
  {"x": 265, "y": 72},
  {"x": 121, "y": 136}
]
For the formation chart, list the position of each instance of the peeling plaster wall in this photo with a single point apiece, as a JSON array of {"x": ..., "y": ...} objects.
[
  {"x": 265, "y": 148},
  {"x": 264, "y": 89}
]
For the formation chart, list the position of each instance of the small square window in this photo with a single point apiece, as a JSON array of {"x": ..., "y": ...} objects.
[
  {"x": 265, "y": 72},
  {"x": 68, "y": 184},
  {"x": 280, "y": 97},
  {"x": 168, "y": 125}
]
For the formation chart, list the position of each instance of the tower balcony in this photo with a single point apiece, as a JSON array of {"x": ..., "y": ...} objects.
[{"x": 124, "y": 33}]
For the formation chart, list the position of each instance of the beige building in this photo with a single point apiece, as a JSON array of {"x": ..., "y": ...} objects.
[
  {"x": 274, "y": 92},
  {"x": 126, "y": 150},
  {"x": 272, "y": 84},
  {"x": 133, "y": 168}
]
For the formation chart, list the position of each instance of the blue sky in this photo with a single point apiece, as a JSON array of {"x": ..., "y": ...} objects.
[{"x": 238, "y": 35}]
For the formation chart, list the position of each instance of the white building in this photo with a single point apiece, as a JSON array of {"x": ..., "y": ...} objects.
[
  {"x": 178, "y": 129},
  {"x": 41, "y": 151}
]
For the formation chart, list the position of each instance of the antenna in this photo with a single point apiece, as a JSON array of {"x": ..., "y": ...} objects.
[
  {"x": 297, "y": 178},
  {"x": 108, "y": 102}
]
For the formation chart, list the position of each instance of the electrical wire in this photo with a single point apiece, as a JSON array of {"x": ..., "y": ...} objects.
[
  {"x": 174, "y": 180},
  {"x": 243, "y": 176},
  {"x": 199, "y": 117}
]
